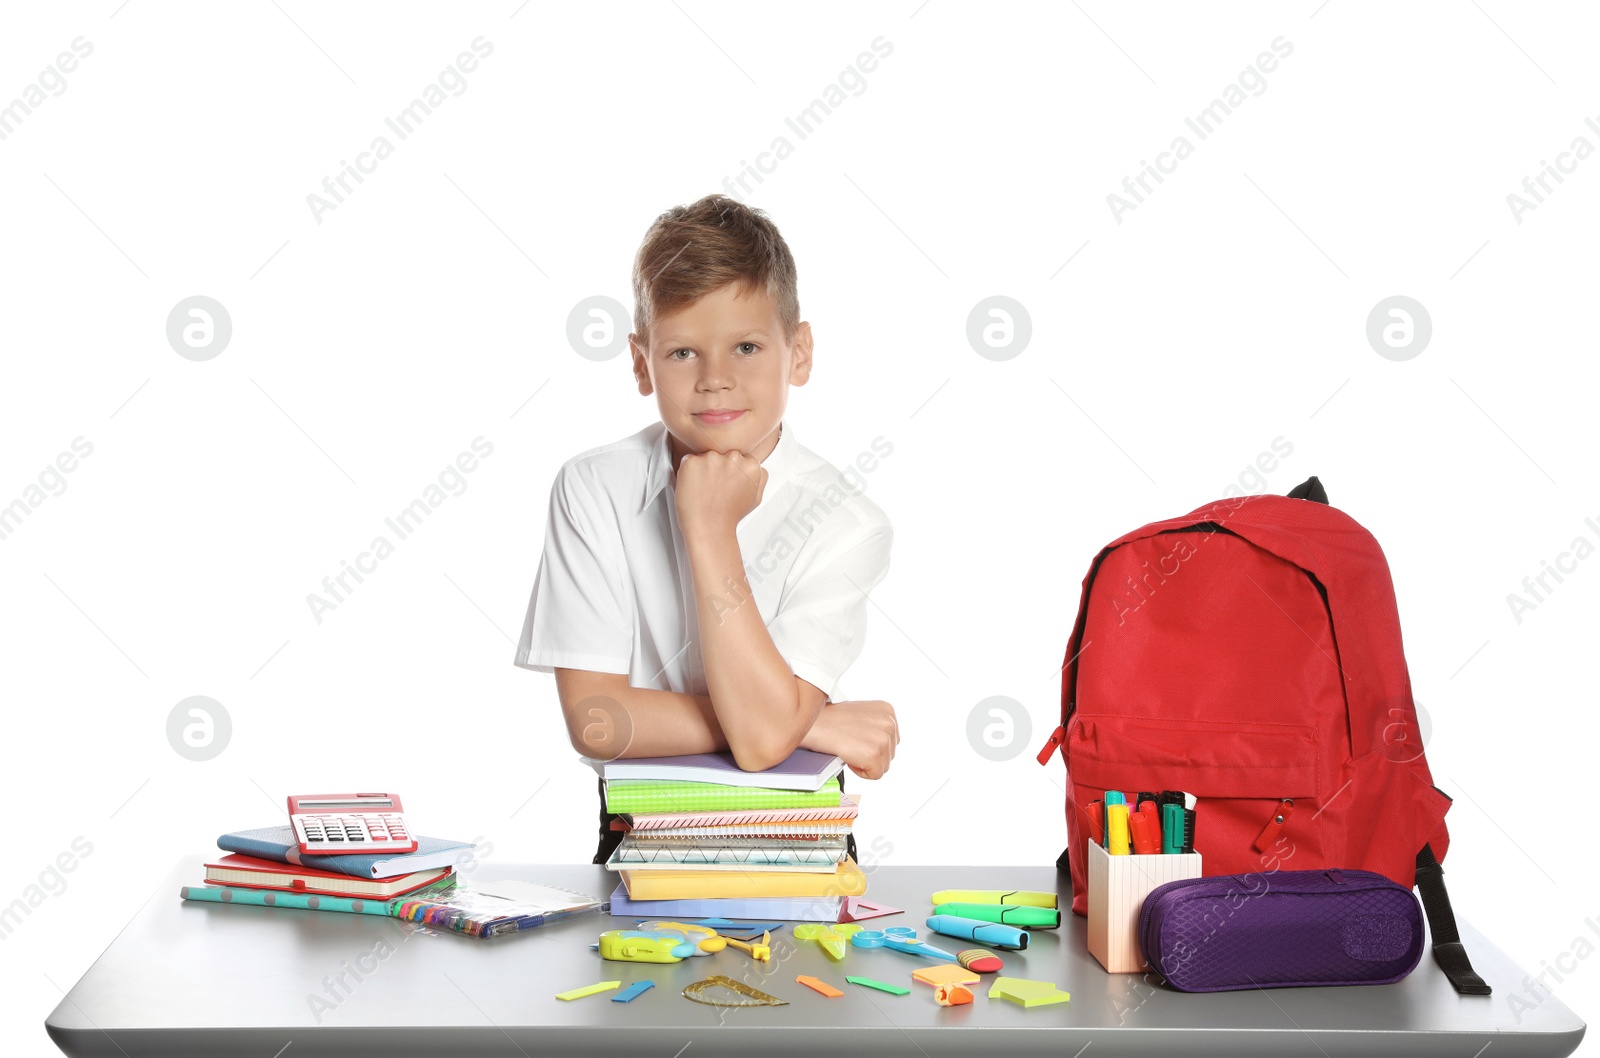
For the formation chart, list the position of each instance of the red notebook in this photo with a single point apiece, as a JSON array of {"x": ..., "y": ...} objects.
[{"x": 269, "y": 874}]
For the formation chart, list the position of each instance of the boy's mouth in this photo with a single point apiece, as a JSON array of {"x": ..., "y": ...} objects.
[{"x": 717, "y": 416}]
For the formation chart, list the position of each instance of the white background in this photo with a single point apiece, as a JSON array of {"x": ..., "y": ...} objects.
[{"x": 430, "y": 308}]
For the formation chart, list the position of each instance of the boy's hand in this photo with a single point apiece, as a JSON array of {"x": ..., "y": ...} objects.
[
  {"x": 863, "y": 734},
  {"x": 716, "y": 489}
]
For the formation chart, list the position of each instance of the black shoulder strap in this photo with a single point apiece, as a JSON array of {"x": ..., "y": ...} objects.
[
  {"x": 1309, "y": 489},
  {"x": 1448, "y": 950}
]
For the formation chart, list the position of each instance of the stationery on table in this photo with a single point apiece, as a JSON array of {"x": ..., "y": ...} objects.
[
  {"x": 492, "y": 908},
  {"x": 704, "y": 885},
  {"x": 227, "y": 894},
  {"x": 704, "y": 838},
  {"x": 1155, "y": 824},
  {"x": 1147, "y": 844},
  {"x": 784, "y": 909},
  {"x": 663, "y": 795},
  {"x": 280, "y": 843},
  {"x": 364, "y": 873},
  {"x": 267, "y": 874},
  {"x": 822, "y": 853},
  {"x": 804, "y": 769},
  {"x": 824, "y": 819}
]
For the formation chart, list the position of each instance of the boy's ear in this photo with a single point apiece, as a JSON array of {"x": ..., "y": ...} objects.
[
  {"x": 641, "y": 371},
  {"x": 800, "y": 366}
]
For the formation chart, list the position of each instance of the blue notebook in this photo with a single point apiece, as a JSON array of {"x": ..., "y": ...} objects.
[{"x": 278, "y": 843}]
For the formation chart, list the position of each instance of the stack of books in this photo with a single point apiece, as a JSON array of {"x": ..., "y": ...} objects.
[
  {"x": 705, "y": 839},
  {"x": 266, "y": 868}
]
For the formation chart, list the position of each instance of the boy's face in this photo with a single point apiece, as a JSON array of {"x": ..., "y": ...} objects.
[{"x": 721, "y": 371}]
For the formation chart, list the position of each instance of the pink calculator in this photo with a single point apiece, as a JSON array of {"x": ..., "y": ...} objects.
[{"x": 340, "y": 824}]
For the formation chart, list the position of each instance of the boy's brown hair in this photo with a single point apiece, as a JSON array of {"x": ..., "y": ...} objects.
[{"x": 692, "y": 250}]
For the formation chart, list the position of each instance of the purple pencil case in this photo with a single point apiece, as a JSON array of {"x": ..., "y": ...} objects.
[{"x": 1281, "y": 930}]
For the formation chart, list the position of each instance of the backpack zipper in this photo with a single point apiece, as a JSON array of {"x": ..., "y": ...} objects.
[
  {"x": 1269, "y": 833},
  {"x": 1056, "y": 738}
]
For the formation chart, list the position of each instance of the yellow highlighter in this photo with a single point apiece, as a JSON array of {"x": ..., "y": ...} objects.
[
  {"x": 1024, "y": 897},
  {"x": 1117, "y": 830}
]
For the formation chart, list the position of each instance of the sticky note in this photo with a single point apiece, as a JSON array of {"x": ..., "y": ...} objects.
[
  {"x": 1026, "y": 993},
  {"x": 945, "y": 973},
  {"x": 879, "y": 985},
  {"x": 589, "y": 990},
  {"x": 818, "y": 985},
  {"x": 628, "y": 994}
]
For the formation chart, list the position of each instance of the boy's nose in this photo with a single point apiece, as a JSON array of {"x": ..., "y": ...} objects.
[{"x": 714, "y": 376}]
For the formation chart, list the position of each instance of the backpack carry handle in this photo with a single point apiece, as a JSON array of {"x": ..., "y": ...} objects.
[{"x": 1309, "y": 489}]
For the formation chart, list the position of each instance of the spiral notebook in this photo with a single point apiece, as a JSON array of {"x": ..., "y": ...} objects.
[
  {"x": 644, "y": 795},
  {"x": 818, "y": 853},
  {"x": 758, "y": 818}
]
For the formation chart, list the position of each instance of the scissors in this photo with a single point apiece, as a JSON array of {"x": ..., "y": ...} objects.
[
  {"x": 899, "y": 938},
  {"x": 831, "y": 937}
]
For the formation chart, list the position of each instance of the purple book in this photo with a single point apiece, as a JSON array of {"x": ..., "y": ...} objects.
[{"x": 803, "y": 769}]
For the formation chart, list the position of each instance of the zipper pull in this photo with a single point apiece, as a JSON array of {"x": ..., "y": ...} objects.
[
  {"x": 1269, "y": 833},
  {"x": 1335, "y": 875},
  {"x": 1056, "y": 737}
]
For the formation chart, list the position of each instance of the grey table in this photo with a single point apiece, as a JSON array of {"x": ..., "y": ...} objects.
[{"x": 208, "y": 979}]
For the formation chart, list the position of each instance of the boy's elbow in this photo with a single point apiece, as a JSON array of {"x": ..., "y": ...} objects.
[
  {"x": 760, "y": 755},
  {"x": 755, "y": 758}
]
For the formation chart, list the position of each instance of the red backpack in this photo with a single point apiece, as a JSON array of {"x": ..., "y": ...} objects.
[{"x": 1249, "y": 653}]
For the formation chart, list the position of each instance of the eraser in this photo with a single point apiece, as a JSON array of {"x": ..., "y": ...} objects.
[{"x": 980, "y": 960}]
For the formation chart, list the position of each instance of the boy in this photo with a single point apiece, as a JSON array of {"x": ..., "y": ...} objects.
[{"x": 704, "y": 582}]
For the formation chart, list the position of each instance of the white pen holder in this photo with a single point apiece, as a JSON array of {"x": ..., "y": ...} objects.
[{"x": 1117, "y": 888}]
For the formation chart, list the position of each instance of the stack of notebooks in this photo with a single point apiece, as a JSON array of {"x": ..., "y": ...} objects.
[
  {"x": 705, "y": 839},
  {"x": 266, "y": 868}
]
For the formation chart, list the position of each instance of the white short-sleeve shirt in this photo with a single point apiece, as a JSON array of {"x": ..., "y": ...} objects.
[{"x": 615, "y": 590}]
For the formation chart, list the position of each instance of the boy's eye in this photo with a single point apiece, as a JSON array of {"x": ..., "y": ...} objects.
[{"x": 687, "y": 353}]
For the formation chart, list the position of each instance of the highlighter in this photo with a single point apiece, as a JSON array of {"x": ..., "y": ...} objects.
[
  {"x": 1172, "y": 829},
  {"x": 1008, "y": 914},
  {"x": 1117, "y": 830},
  {"x": 991, "y": 933},
  {"x": 1025, "y": 897}
]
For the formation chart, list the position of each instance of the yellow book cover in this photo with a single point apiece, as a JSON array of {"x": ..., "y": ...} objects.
[{"x": 710, "y": 885}]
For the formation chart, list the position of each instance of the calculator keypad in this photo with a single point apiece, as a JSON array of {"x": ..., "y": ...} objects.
[{"x": 352, "y": 832}]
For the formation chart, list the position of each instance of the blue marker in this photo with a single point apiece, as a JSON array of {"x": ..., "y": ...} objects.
[{"x": 991, "y": 933}]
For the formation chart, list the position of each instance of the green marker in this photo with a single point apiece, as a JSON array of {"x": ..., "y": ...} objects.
[
  {"x": 1009, "y": 914},
  {"x": 879, "y": 985}
]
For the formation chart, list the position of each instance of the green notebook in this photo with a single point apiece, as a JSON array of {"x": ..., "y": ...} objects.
[{"x": 628, "y": 796}]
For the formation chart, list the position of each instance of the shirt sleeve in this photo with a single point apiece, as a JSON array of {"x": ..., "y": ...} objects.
[
  {"x": 578, "y": 616},
  {"x": 821, "y": 623}
]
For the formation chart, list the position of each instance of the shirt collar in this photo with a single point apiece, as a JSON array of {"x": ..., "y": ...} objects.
[{"x": 658, "y": 472}]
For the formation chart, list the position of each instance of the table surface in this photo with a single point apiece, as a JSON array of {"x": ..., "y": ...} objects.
[{"x": 200, "y": 978}]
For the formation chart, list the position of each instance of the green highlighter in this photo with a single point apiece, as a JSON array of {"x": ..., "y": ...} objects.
[{"x": 1008, "y": 914}]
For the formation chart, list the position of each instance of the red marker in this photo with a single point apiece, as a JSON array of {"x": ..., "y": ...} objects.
[
  {"x": 1097, "y": 822},
  {"x": 1146, "y": 832}
]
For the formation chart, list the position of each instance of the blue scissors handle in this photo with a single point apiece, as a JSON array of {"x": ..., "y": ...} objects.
[{"x": 898, "y": 938}]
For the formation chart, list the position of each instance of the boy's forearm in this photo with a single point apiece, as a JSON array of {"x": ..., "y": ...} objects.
[
  {"x": 659, "y": 724},
  {"x": 752, "y": 689}
]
